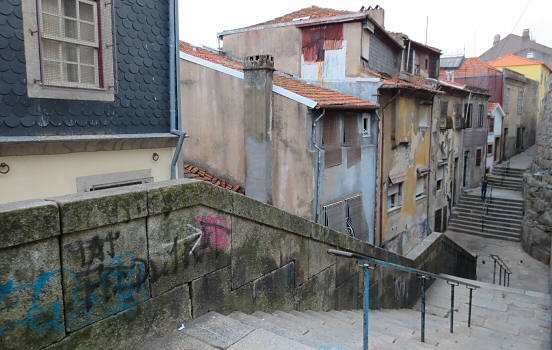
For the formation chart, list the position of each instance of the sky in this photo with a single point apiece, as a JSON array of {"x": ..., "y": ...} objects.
[{"x": 454, "y": 26}]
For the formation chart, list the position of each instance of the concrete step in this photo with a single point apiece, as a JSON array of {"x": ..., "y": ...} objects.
[
  {"x": 469, "y": 231},
  {"x": 488, "y": 227},
  {"x": 476, "y": 198},
  {"x": 513, "y": 216}
]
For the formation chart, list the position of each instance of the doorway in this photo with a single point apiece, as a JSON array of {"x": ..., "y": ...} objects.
[{"x": 465, "y": 175}]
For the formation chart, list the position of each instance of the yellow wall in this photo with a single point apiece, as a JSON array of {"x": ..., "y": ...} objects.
[{"x": 41, "y": 176}]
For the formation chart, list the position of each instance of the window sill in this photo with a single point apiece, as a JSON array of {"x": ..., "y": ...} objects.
[
  {"x": 393, "y": 210},
  {"x": 419, "y": 199},
  {"x": 43, "y": 145},
  {"x": 366, "y": 135}
]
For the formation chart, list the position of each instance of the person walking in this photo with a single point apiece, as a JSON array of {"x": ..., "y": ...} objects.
[{"x": 484, "y": 185}]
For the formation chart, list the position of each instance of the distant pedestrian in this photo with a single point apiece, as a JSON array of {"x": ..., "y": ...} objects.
[{"x": 484, "y": 188}]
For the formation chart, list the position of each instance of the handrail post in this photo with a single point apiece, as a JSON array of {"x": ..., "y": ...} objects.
[
  {"x": 500, "y": 275},
  {"x": 452, "y": 285},
  {"x": 494, "y": 272},
  {"x": 470, "y": 306},
  {"x": 367, "y": 268},
  {"x": 423, "y": 278},
  {"x": 508, "y": 279}
]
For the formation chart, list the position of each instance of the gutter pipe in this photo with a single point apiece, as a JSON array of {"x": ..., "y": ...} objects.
[
  {"x": 382, "y": 166},
  {"x": 319, "y": 164},
  {"x": 175, "y": 114}
]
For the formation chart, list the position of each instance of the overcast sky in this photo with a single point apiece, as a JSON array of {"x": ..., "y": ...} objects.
[{"x": 455, "y": 26}]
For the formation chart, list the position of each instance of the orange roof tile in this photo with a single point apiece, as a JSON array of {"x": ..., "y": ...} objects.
[
  {"x": 326, "y": 98},
  {"x": 194, "y": 172},
  {"x": 471, "y": 67},
  {"x": 492, "y": 106},
  {"x": 313, "y": 12},
  {"x": 513, "y": 60}
]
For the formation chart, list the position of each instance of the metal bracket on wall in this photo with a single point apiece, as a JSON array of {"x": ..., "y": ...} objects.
[{"x": 4, "y": 166}]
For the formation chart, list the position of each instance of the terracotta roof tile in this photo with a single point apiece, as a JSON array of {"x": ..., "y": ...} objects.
[
  {"x": 313, "y": 12},
  {"x": 193, "y": 172},
  {"x": 471, "y": 67},
  {"x": 492, "y": 106},
  {"x": 513, "y": 60},
  {"x": 325, "y": 97}
]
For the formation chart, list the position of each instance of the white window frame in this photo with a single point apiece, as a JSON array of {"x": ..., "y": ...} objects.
[
  {"x": 394, "y": 194},
  {"x": 424, "y": 110},
  {"x": 440, "y": 175},
  {"x": 507, "y": 100},
  {"x": 366, "y": 125},
  {"x": 421, "y": 187},
  {"x": 32, "y": 38}
]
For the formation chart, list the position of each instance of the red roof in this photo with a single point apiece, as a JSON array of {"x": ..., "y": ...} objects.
[
  {"x": 323, "y": 96},
  {"x": 513, "y": 60},
  {"x": 471, "y": 67},
  {"x": 194, "y": 172},
  {"x": 313, "y": 12},
  {"x": 492, "y": 106}
]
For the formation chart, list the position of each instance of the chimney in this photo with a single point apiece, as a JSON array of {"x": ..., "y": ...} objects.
[
  {"x": 525, "y": 35},
  {"x": 496, "y": 39},
  {"x": 378, "y": 14},
  {"x": 257, "y": 84}
]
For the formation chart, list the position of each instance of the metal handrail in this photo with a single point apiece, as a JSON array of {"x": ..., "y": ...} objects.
[
  {"x": 505, "y": 171},
  {"x": 371, "y": 263},
  {"x": 488, "y": 200},
  {"x": 503, "y": 266}
]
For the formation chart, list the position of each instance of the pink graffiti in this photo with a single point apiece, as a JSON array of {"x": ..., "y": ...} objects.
[{"x": 215, "y": 233}]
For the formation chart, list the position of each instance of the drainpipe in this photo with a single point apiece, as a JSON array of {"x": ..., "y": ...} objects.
[
  {"x": 382, "y": 166},
  {"x": 319, "y": 164},
  {"x": 408, "y": 58},
  {"x": 174, "y": 82}
]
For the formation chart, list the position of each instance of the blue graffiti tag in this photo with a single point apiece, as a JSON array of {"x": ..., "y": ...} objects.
[{"x": 38, "y": 315}]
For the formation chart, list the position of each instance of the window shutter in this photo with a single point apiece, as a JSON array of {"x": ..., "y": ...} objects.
[
  {"x": 350, "y": 125},
  {"x": 332, "y": 142},
  {"x": 358, "y": 219},
  {"x": 334, "y": 216},
  {"x": 478, "y": 157},
  {"x": 354, "y": 155}
]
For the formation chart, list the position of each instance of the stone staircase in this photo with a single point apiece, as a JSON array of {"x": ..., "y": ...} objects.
[
  {"x": 513, "y": 178},
  {"x": 502, "y": 318},
  {"x": 503, "y": 220}
]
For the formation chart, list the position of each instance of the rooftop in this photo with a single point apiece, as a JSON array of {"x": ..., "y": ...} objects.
[
  {"x": 309, "y": 13},
  {"x": 492, "y": 106},
  {"x": 513, "y": 60},
  {"x": 470, "y": 67},
  {"x": 325, "y": 97}
]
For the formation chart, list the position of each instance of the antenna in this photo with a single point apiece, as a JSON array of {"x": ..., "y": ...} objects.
[{"x": 427, "y": 25}]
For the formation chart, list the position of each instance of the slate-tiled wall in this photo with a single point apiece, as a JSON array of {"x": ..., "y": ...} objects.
[{"x": 141, "y": 104}]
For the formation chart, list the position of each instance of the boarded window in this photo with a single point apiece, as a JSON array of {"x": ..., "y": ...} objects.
[
  {"x": 478, "y": 157},
  {"x": 332, "y": 141},
  {"x": 350, "y": 129},
  {"x": 444, "y": 108},
  {"x": 318, "y": 39}
]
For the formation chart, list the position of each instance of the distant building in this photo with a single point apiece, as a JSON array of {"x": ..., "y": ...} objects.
[{"x": 522, "y": 46}]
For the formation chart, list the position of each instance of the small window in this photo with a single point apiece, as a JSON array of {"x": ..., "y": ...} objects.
[
  {"x": 394, "y": 196},
  {"x": 420, "y": 187},
  {"x": 366, "y": 124},
  {"x": 489, "y": 150},
  {"x": 440, "y": 175},
  {"x": 481, "y": 116},
  {"x": 520, "y": 102},
  {"x": 491, "y": 125},
  {"x": 427, "y": 64},
  {"x": 424, "y": 116},
  {"x": 444, "y": 108},
  {"x": 478, "y": 157},
  {"x": 507, "y": 100},
  {"x": 458, "y": 110},
  {"x": 530, "y": 55}
]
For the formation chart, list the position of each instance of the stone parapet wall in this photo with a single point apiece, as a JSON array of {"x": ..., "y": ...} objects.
[{"x": 118, "y": 268}]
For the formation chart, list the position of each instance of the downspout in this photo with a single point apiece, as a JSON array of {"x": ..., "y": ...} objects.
[
  {"x": 382, "y": 166},
  {"x": 174, "y": 82},
  {"x": 319, "y": 165},
  {"x": 408, "y": 57}
]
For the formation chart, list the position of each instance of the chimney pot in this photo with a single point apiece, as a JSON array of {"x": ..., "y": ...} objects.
[
  {"x": 259, "y": 62},
  {"x": 496, "y": 39},
  {"x": 377, "y": 14},
  {"x": 525, "y": 35}
]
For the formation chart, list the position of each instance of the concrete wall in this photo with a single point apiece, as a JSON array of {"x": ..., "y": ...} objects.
[
  {"x": 537, "y": 192},
  {"x": 475, "y": 138},
  {"x": 115, "y": 269},
  {"x": 284, "y": 43},
  {"x": 382, "y": 57}
]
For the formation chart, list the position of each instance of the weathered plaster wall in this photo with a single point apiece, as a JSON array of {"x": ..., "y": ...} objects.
[
  {"x": 406, "y": 147},
  {"x": 475, "y": 138},
  {"x": 115, "y": 269},
  {"x": 352, "y": 32},
  {"x": 283, "y": 43},
  {"x": 536, "y": 226},
  {"x": 213, "y": 120}
]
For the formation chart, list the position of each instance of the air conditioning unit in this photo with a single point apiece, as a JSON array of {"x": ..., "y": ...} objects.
[
  {"x": 445, "y": 123},
  {"x": 459, "y": 123}
]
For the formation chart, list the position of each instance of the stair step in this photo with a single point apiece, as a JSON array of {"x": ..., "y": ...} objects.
[{"x": 483, "y": 234}]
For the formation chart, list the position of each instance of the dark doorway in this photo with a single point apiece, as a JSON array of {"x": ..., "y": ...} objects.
[
  {"x": 518, "y": 138},
  {"x": 438, "y": 221},
  {"x": 454, "y": 181},
  {"x": 465, "y": 175}
]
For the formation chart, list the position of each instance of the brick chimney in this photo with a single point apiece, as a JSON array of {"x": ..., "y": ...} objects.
[
  {"x": 378, "y": 14},
  {"x": 258, "y": 80},
  {"x": 526, "y": 35},
  {"x": 496, "y": 39}
]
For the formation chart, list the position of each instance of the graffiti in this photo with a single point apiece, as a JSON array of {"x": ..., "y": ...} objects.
[
  {"x": 94, "y": 249},
  {"x": 115, "y": 287},
  {"x": 400, "y": 288},
  {"x": 39, "y": 317},
  {"x": 215, "y": 233}
]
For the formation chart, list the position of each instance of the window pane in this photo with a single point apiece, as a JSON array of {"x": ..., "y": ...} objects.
[
  {"x": 50, "y": 50},
  {"x": 51, "y": 25},
  {"x": 72, "y": 73},
  {"x": 51, "y": 71},
  {"x": 50, "y": 6},
  {"x": 70, "y": 53},
  {"x": 87, "y": 32},
  {"x": 71, "y": 29},
  {"x": 87, "y": 55},
  {"x": 69, "y": 8},
  {"x": 88, "y": 75},
  {"x": 86, "y": 12}
]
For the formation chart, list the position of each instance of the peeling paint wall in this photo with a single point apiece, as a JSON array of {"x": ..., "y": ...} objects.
[
  {"x": 405, "y": 226},
  {"x": 283, "y": 43}
]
